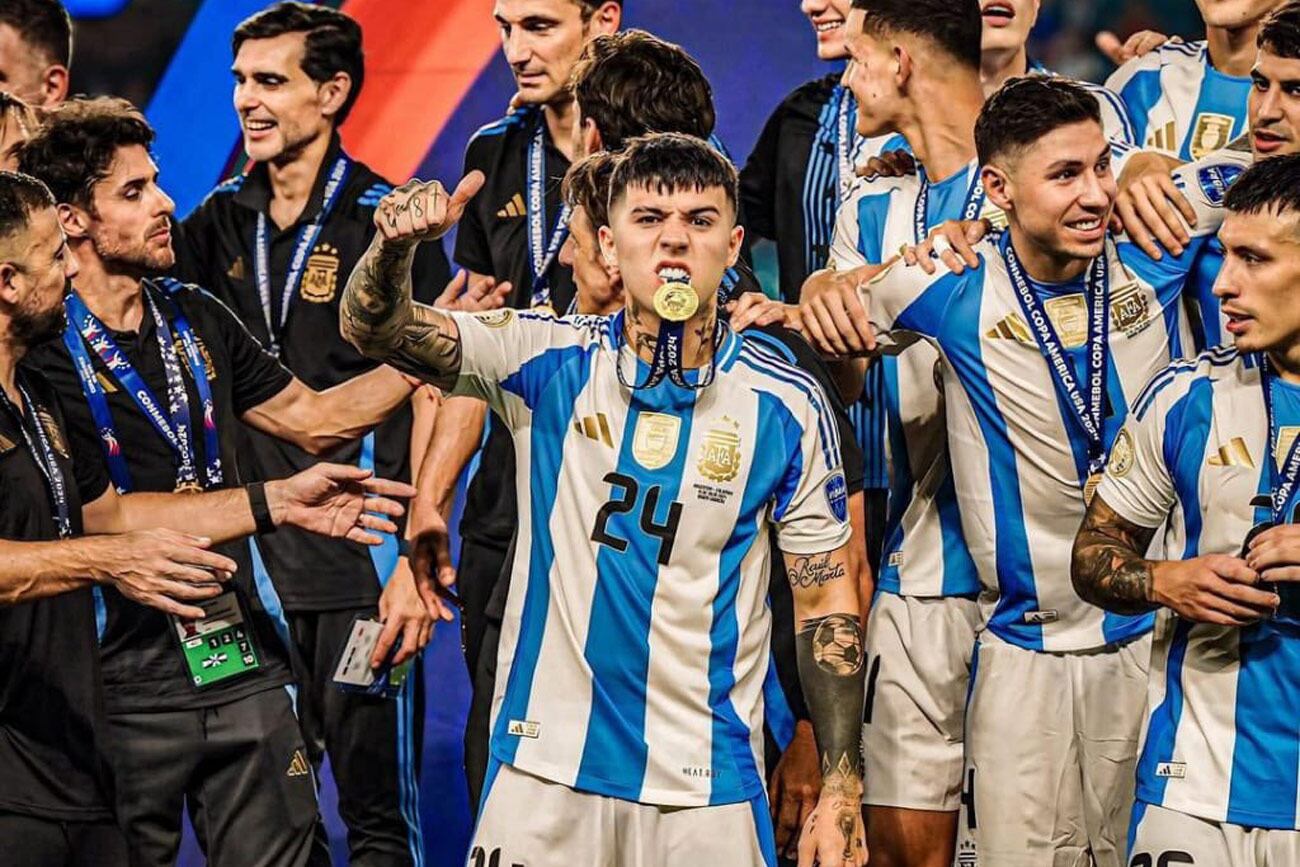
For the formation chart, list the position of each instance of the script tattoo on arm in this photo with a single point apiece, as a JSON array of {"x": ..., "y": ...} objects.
[
  {"x": 1108, "y": 568},
  {"x": 379, "y": 318},
  {"x": 814, "y": 571}
]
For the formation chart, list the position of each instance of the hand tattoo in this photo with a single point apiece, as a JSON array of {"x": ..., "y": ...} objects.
[
  {"x": 1108, "y": 568},
  {"x": 814, "y": 571}
]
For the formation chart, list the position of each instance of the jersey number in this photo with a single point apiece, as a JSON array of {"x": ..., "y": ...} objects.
[
  {"x": 625, "y": 502},
  {"x": 1166, "y": 859}
]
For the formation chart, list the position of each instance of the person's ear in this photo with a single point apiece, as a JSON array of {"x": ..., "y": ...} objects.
[{"x": 334, "y": 93}]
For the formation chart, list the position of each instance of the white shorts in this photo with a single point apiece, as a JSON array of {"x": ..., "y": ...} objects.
[
  {"x": 528, "y": 820},
  {"x": 1164, "y": 838},
  {"x": 918, "y": 669},
  {"x": 1051, "y": 744}
]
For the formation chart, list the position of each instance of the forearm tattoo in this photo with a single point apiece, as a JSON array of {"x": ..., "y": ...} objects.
[
  {"x": 1108, "y": 567},
  {"x": 814, "y": 571},
  {"x": 379, "y": 318}
]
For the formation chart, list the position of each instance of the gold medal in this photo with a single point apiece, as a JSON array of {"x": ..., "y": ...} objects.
[
  {"x": 1090, "y": 488},
  {"x": 676, "y": 302}
]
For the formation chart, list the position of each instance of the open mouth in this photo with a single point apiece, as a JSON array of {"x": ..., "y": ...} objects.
[
  {"x": 1267, "y": 142},
  {"x": 823, "y": 27},
  {"x": 674, "y": 274},
  {"x": 998, "y": 13},
  {"x": 258, "y": 126}
]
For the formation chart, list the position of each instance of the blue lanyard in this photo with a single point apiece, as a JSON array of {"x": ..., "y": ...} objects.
[
  {"x": 175, "y": 426},
  {"x": 1281, "y": 480},
  {"x": 42, "y": 451},
  {"x": 307, "y": 236},
  {"x": 971, "y": 210},
  {"x": 667, "y": 359},
  {"x": 541, "y": 254},
  {"x": 1087, "y": 411}
]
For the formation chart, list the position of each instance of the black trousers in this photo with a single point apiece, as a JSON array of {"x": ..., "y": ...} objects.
[
  {"x": 241, "y": 767},
  {"x": 28, "y": 841},
  {"x": 374, "y": 744},
  {"x": 480, "y": 568}
]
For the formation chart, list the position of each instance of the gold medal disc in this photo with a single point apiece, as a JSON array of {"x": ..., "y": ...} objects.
[{"x": 676, "y": 302}]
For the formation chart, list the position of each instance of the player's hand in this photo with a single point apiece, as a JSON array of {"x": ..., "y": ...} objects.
[
  {"x": 793, "y": 790},
  {"x": 1215, "y": 589},
  {"x": 473, "y": 296},
  {"x": 431, "y": 560},
  {"x": 890, "y": 164},
  {"x": 831, "y": 311},
  {"x": 163, "y": 569},
  {"x": 418, "y": 211},
  {"x": 834, "y": 835},
  {"x": 953, "y": 243},
  {"x": 404, "y": 615},
  {"x": 755, "y": 308},
  {"x": 1275, "y": 553},
  {"x": 338, "y": 500},
  {"x": 1151, "y": 208},
  {"x": 1139, "y": 44}
]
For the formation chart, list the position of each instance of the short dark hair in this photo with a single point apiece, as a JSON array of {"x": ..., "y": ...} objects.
[
  {"x": 1025, "y": 109},
  {"x": 953, "y": 25},
  {"x": 633, "y": 83},
  {"x": 669, "y": 162},
  {"x": 20, "y": 196},
  {"x": 1271, "y": 185},
  {"x": 333, "y": 42},
  {"x": 586, "y": 186},
  {"x": 75, "y": 148},
  {"x": 43, "y": 24},
  {"x": 1280, "y": 32},
  {"x": 589, "y": 7}
]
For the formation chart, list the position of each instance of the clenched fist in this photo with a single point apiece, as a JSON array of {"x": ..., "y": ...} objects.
[{"x": 418, "y": 211}]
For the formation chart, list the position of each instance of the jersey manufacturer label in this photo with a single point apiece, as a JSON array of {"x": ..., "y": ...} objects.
[
  {"x": 522, "y": 728},
  {"x": 1173, "y": 770},
  {"x": 1233, "y": 453},
  {"x": 1049, "y": 615}
]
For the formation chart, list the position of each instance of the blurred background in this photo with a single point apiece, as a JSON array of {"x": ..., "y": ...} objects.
[{"x": 434, "y": 75}]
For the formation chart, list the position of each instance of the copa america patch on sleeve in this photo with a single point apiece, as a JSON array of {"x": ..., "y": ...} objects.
[
  {"x": 1215, "y": 181},
  {"x": 837, "y": 497}
]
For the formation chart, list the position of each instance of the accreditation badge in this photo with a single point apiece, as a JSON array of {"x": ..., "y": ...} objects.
[
  {"x": 352, "y": 672},
  {"x": 219, "y": 646}
]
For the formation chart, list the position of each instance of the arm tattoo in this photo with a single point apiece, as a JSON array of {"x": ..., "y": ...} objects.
[
  {"x": 830, "y": 655},
  {"x": 814, "y": 571},
  {"x": 378, "y": 317},
  {"x": 1108, "y": 567}
]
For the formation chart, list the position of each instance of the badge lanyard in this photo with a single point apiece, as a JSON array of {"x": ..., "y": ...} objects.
[
  {"x": 971, "y": 210},
  {"x": 307, "y": 236},
  {"x": 541, "y": 253},
  {"x": 1087, "y": 411},
  {"x": 848, "y": 144},
  {"x": 42, "y": 451},
  {"x": 1282, "y": 480},
  {"x": 667, "y": 359},
  {"x": 176, "y": 430}
]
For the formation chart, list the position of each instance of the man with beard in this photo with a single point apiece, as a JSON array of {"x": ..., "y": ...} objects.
[
  {"x": 157, "y": 375},
  {"x": 57, "y": 802},
  {"x": 35, "y": 50}
]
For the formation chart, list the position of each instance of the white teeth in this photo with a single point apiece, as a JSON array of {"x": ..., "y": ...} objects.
[
  {"x": 674, "y": 275},
  {"x": 1086, "y": 225},
  {"x": 259, "y": 125},
  {"x": 827, "y": 26}
]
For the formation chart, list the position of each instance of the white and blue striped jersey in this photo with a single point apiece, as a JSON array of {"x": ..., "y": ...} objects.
[
  {"x": 1222, "y": 740},
  {"x": 635, "y": 641},
  {"x": 1018, "y": 456},
  {"x": 1179, "y": 103},
  {"x": 924, "y": 552}
]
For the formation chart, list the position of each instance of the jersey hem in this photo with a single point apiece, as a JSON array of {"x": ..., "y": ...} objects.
[
  {"x": 1244, "y": 818},
  {"x": 197, "y": 700},
  {"x": 1141, "y": 627}
]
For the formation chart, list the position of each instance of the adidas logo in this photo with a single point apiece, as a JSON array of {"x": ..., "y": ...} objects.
[
  {"x": 513, "y": 208},
  {"x": 1234, "y": 454},
  {"x": 1012, "y": 327},
  {"x": 298, "y": 767},
  {"x": 594, "y": 427},
  {"x": 236, "y": 270}
]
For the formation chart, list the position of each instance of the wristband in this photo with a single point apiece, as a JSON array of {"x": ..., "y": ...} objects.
[{"x": 261, "y": 509}]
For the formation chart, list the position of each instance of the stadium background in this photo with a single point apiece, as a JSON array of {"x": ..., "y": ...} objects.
[{"x": 434, "y": 74}]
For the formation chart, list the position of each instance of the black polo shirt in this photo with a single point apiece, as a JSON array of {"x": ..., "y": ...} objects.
[
  {"x": 50, "y": 699},
  {"x": 772, "y": 182},
  {"x": 140, "y": 655},
  {"x": 215, "y": 249}
]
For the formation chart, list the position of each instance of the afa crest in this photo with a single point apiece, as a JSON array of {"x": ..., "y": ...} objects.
[
  {"x": 1130, "y": 309},
  {"x": 320, "y": 279},
  {"x": 720, "y": 451}
]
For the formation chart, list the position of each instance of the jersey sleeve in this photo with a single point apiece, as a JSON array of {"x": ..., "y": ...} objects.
[
  {"x": 1137, "y": 84},
  {"x": 845, "y": 252},
  {"x": 256, "y": 375},
  {"x": 903, "y": 298},
  {"x": 1115, "y": 119},
  {"x": 509, "y": 357},
  {"x": 811, "y": 504},
  {"x": 1138, "y": 483}
]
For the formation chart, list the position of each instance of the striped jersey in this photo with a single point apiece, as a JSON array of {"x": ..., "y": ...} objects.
[
  {"x": 1179, "y": 103},
  {"x": 635, "y": 641},
  {"x": 1019, "y": 457},
  {"x": 925, "y": 553},
  {"x": 1222, "y": 740}
]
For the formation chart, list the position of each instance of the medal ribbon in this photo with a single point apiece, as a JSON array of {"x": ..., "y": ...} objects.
[
  {"x": 307, "y": 236},
  {"x": 1087, "y": 411},
  {"x": 1282, "y": 480},
  {"x": 541, "y": 254},
  {"x": 971, "y": 210},
  {"x": 42, "y": 451},
  {"x": 667, "y": 359}
]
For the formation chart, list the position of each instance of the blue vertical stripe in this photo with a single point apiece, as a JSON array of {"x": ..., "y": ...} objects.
[
  {"x": 1140, "y": 94},
  {"x": 1266, "y": 755},
  {"x": 101, "y": 613},
  {"x": 1219, "y": 94},
  {"x": 776, "y": 708},
  {"x": 762, "y": 814},
  {"x": 1135, "y": 820},
  {"x": 267, "y": 594},
  {"x": 1163, "y": 728},
  {"x": 901, "y": 483},
  {"x": 1187, "y": 429},
  {"x": 960, "y": 575},
  {"x": 408, "y": 790},
  {"x": 383, "y": 556}
]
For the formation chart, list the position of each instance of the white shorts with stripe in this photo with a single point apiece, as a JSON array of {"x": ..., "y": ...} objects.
[{"x": 1165, "y": 838}]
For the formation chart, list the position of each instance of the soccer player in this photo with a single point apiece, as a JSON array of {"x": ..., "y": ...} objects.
[
  {"x": 636, "y": 632},
  {"x": 56, "y": 804},
  {"x": 35, "y": 50},
  {"x": 1043, "y": 345},
  {"x": 17, "y": 123},
  {"x": 1209, "y": 453},
  {"x": 158, "y": 375},
  {"x": 275, "y": 245}
]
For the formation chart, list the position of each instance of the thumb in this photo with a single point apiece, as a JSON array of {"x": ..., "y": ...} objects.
[
  {"x": 1108, "y": 44},
  {"x": 453, "y": 289},
  {"x": 466, "y": 190}
]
